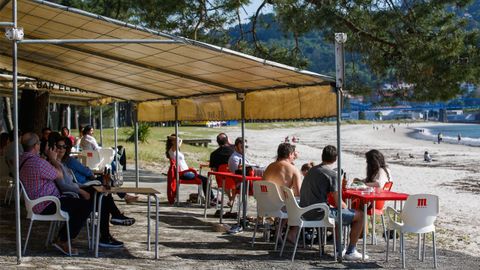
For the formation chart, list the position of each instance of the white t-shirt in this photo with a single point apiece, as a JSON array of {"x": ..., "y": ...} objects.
[
  {"x": 89, "y": 143},
  {"x": 182, "y": 164},
  {"x": 381, "y": 177}
]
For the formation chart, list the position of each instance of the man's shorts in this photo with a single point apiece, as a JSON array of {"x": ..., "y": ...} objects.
[{"x": 347, "y": 215}]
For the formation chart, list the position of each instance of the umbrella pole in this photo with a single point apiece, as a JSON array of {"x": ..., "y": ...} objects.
[{"x": 15, "y": 134}]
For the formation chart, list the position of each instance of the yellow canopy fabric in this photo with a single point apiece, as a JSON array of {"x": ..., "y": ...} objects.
[
  {"x": 298, "y": 103},
  {"x": 204, "y": 78}
]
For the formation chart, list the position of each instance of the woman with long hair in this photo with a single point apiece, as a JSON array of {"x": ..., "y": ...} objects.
[
  {"x": 170, "y": 153},
  {"x": 377, "y": 171},
  {"x": 73, "y": 169}
]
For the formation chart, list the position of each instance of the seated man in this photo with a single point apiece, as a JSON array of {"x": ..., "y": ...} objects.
[
  {"x": 219, "y": 157},
  {"x": 282, "y": 172},
  {"x": 38, "y": 177},
  {"x": 222, "y": 153},
  {"x": 321, "y": 180},
  {"x": 236, "y": 160}
]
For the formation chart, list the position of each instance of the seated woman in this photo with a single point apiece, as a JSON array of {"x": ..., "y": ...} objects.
[
  {"x": 377, "y": 172},
  {"x": 171, "y": 148},
  {"x": 63, "y": 147}
]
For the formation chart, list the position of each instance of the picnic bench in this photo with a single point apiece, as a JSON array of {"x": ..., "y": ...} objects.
[{"x": 197, "y": 142}]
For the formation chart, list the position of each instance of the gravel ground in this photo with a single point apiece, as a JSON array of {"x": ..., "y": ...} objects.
[{"x": 188, "y": 241}]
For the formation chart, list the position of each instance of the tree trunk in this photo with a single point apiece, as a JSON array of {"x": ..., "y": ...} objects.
[{"x": 8, "y": 114}]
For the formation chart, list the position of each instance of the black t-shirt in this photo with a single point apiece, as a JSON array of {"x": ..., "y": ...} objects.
[
  {"x": 220, "y": 156},
  {"x": 319, "y": 181}
]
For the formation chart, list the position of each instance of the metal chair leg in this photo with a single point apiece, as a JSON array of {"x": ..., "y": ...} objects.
[
  {"x": 279, "y": 232},
  {"x": 296, "y": 244},
  {"x": 284, "y": 240},
  {"x": 28, "y": 236},
  {"x": 255, "y": 231},
  {"x": 334, "y": 244},
  {"x": 423, "y": 246},
  {"x": 388, "y": 247},
  {"x": 402, "y": 241},
  {"x": 384, "y": 228},
  {"x": 68, "y": 239},
  {"x": 434, "y": 251},
  {"x": 47, "y": 242},
  {"x": 419, "y": 240}
]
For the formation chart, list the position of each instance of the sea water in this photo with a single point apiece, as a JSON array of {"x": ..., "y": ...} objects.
[{"x": 469, "y": 133}]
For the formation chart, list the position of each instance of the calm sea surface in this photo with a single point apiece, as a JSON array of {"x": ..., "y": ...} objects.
[{"x": 469, "y": 133}]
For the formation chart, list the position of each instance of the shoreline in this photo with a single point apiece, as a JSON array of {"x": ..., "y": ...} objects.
[
  {"x": 428, "y": 136},
  {"x": 453, "y": 176}
]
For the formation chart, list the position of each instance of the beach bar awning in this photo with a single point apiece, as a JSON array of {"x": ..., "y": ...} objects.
[{"x": 162, "y": 68}]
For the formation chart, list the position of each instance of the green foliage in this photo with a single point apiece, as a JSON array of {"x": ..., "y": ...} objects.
[
  {"x": 432, "y": 45},
  {"x": 144, "y": 130}
]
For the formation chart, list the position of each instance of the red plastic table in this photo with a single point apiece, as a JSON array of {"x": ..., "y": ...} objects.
[
  {"x": 377, "y": 195},
  {"x": 238, "y": 178}
]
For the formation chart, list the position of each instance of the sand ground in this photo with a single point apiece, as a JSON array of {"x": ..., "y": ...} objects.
[{"x": 188, "y": 241}]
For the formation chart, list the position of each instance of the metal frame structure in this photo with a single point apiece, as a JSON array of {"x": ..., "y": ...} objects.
[{"x": 16, "y": 39}]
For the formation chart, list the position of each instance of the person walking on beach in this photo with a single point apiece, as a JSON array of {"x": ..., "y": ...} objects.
[
  {"x": 439, "y": 137},
  {"x": 459, "y": 137}
]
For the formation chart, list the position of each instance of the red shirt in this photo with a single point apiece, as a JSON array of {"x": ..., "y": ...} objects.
[{"x": 38, "y": 178}]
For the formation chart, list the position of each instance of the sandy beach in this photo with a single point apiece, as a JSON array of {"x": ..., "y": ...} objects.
[{"x": 454, "y": 175}]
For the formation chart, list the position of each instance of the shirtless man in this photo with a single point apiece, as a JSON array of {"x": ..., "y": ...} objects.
[{"x": 282, "y": 172}]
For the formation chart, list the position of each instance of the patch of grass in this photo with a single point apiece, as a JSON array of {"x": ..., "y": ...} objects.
[{"x": 154, "y": 150}]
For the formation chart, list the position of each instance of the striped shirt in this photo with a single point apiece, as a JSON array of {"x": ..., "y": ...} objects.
[{"x": 38, "y": 177}]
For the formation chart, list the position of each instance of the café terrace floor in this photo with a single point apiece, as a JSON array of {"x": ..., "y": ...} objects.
[{"x": 187, "y": 241}]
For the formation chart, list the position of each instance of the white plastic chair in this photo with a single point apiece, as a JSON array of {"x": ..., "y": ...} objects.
[
  {"x": 418, "y": 216},
  {"x": 295, "y": 218},
  {"x": 54, "y": 218},
  {"x": 107, "y": 155},
  {"x": 269, "y": 204},
  {"x": 94, "y": 159}
]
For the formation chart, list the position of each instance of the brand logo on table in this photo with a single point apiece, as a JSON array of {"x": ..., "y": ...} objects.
[
  {"x": 263, "y": 188},
  {"x": 422, "y": 203}
]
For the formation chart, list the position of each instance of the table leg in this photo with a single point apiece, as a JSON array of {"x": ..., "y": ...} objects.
[
  {"x": 373, "y": 223},
  {"x": 93, "y": 219},
  {"x": 240, "y": 202},
  {"x": 156, "y": 226},
  {"x": 207, "y": 198},
  {"x": 221, "y": 205},
  {"x": 394, "y": 231},
  {"x": 365, "y": 226},
  {"x": 148, "y": 223},
  {"x": 97, "y": 238}
]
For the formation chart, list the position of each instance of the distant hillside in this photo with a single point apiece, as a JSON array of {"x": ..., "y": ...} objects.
[{"x": 319, "y": 53}]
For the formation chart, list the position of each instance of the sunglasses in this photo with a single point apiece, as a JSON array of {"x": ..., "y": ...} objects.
[{"x": 60, "y": 146}]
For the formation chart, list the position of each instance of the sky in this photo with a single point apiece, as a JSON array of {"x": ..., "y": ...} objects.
[{"x": 252, "y": 8}]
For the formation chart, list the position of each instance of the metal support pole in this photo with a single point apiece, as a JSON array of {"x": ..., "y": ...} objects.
[
  {"x": 90, "y": 115},
  {"x": 69, "y": 117},
  {"x": 101, "y": 126},
  {"x": 340, "y": 39},
  {"x": 15, "y": 133},
  {"x": 177, "y": 176},
  {"x": 137, "y": 174},
  {"x": 115, "y": 132},
  {"x": 244, "y": 194},
  {"x": 49, "y": 117}
]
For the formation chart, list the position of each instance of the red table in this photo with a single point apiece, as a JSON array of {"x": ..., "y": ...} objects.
[
  {"x": 377, "y": 195},
  {"x": 238, "y": 178}
]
